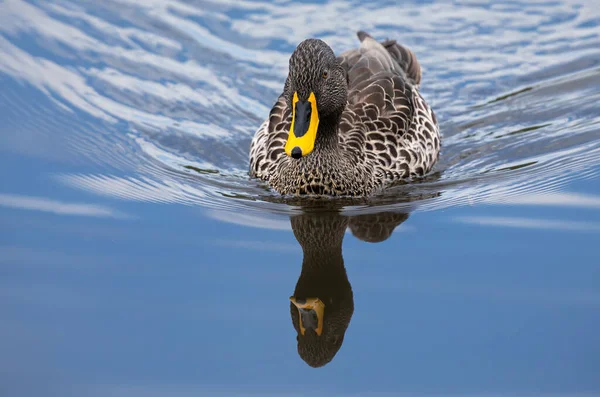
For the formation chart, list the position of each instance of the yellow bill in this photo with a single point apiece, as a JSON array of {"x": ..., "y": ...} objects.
[
  {"x": 310, "y": 313},
  {"x": 303, "y": 131}
]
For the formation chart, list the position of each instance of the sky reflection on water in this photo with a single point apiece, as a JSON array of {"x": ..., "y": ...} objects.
[{"x": 137, "y": 259}]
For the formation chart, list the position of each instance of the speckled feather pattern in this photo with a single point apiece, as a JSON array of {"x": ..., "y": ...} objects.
[{"x": 386, "y": 132}]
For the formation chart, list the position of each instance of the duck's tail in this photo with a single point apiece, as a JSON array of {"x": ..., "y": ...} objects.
[{"x": 405, "y": 58}]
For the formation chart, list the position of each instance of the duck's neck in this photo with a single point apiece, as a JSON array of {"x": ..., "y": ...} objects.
[
  {"x": 327, "y": 135},
  {"x": 329, "y": 170}
]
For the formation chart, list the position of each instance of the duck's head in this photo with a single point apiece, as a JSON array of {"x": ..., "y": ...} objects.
[{"x": 316, "y": 91}]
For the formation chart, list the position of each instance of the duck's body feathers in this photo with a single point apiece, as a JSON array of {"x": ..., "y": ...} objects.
[{"x": 386, "y": 132}]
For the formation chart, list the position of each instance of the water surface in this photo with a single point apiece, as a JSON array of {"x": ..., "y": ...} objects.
[{"x": 137, "y": 258}]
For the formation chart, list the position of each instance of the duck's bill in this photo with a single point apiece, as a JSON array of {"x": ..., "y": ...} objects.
[
  {"x": 303, "y": 131},
  {"x": 310, "y": 314}
]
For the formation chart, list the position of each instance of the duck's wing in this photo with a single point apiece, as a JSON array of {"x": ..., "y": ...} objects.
[
  {"x": 268, "y": 143},
  {"x": 396, "y": 58},
  {"x": 386, "y": 122}
]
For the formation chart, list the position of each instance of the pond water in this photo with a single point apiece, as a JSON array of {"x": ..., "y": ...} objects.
[{"x": 138, "y": 259}]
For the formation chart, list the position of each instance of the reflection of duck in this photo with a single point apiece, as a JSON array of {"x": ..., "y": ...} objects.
[
  {"x": 323, "y": 303},
  {"x": 347, "y": 125}
]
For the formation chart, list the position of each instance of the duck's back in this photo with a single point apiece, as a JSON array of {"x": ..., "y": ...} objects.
[{"x": 386, "y": 119}]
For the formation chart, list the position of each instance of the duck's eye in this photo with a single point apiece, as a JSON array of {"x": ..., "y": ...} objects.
[{"x": 325, "y": 74}]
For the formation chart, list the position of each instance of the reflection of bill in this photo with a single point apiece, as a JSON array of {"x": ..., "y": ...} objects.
[
  {"x": 322, "y": 304},
  {"x": 310, "y": 313}
]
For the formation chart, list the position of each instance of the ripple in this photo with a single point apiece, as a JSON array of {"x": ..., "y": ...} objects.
[{"x": 163, "y": 97}]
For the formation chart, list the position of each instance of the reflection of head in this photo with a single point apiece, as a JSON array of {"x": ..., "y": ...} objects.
[
  {"x": 323, "y": 303},
  {"x": 317, "y": 350}
]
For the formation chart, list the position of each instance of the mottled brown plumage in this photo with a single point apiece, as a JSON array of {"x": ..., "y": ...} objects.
[{"x": 375, "y": 128}]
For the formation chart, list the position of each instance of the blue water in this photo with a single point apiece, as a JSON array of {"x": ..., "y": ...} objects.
[{"x": 138, "y": 259}]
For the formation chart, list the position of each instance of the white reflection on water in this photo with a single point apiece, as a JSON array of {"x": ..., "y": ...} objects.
[
  {"x": 57, "y": 207},
  {"x": 550, "y": 199},
  {"x": 137, "y": 189},
  {"x": 75, "y": 88},
  {"x": 249, "y": 220}
]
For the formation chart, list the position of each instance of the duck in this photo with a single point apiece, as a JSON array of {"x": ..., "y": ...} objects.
[{"x": 348, "y": 125}]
